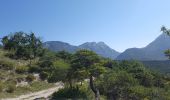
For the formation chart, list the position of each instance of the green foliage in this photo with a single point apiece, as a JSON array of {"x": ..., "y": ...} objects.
[
  {"x": 43, "y": 75},
  {"x": 11, "y": 82},
  {"x": 21, "y": 69},
  {"x": 30, "y": 78},
  {"x": 131, "y": 80},
  {"x": 59, "y": 72},
  {"x": 140, "y": 92},
  {"x": 46, "y": 61},
  {"x": 23, "y": 45},
  {"x": 6, "y": 65},
  {"x": 137, "y": 69},
  {"x": 116, "y": 84},
  {"x": 11, "y": 88},
  {"x": 158, "y": 66},
  {"x": 22, "y": 90},
  {"x": 96, "y": 70},
  {"x": 34, "y": 68},
  {"x": 64, "y": 55},
  {"x": 108, "y": 63},
  {"x": 54, "y": 65},
  {"x": 87, "y": 63},
  {"x": 84, "y": 58},
  {"x": 1, "y": 86},
  {"x": 75, "y": 93},
  {"x": 116, "y": 80}
]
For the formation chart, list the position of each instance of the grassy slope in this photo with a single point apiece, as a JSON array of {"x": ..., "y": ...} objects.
[
  {"x": 35, "y": 86},
  {"x": 10, "y": 74}
]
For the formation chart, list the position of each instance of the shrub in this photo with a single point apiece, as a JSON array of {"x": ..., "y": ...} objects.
[
  {"x": 59, "y": 71},
  {"x": 21, "y": 69},
  {"x": 6, "y": 65},
  {"x": 11, "y": 88},
  {"x": 1, "y": 87},
  {"x": 43, "y": 75},
  {"x": 34, "y": 68},
  {"x": 11, "y": 81},
  {"x": 116, "y": 84},
  {"x": 74, "y": 93},
  {"x": 30, "y": 78},
  {"x": 138, "y": 92}
]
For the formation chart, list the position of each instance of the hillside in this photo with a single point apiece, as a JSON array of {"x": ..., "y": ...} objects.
[
  {"x": 25, "y": 66},
  {"x": 15, "y": 79},
  {"x": 160, "y": 66},
  {"x": 100, "y": 48},
  {"x": 153, "y": 51}
]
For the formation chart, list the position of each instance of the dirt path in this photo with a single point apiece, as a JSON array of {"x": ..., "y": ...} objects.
[{"x": 39, "y": 94}]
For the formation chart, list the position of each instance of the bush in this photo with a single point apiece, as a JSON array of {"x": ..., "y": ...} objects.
[
  {"x": 21, "y": 69},
  {"x": 11, "y": 81},
  {"x": 74, "y": 93},
  {"x": 1, "y": 87},
  {"x": 43, "y": 75},
  {"x": 30, "y": 78},
  {"x": 116, "y": 84},
  {"x": 34, "y": 68},
  {"x": 11, "y": 88},
  {"x": 138, "y": 92},
  {"x": 59, "y": 71},
  {"x": 6, "y": 65}
]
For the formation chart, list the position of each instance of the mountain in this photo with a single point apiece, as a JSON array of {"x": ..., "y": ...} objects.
[
  {"x": 100, "y": 48},
  {"x": 59, "y": 46},
  {"x": 153, "y": 51}
]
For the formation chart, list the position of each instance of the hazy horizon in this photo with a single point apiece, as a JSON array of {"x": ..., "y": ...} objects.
[{"x": 120, "y": 24}]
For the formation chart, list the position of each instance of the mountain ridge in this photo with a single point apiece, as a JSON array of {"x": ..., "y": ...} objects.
[
  {"x": 99, "y": 47},
  {"x": 153, "y": 51}
]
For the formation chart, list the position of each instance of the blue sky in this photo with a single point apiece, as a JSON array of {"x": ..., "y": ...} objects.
[{"x": 121, "y": 24}]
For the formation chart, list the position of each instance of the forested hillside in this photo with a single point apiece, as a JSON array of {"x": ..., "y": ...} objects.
[
  {"x": 16, "y": 77},
  {"x": 161, "y": 66},
  {"x": 85, "y": 74}
]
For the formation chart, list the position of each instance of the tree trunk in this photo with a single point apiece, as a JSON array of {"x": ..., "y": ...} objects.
[{"x": 95, "y": 90}]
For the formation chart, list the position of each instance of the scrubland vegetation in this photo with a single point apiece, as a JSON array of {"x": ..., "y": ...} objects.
[
  {"x": 85, "y": 74},
  {"x": 15, "y": 78}
]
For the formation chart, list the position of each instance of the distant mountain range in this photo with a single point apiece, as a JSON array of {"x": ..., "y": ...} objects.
[
  {"x": 59, "y": 46},
  {"x": 153, "y": 51},
  {"x": 100, "y": 48}
]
